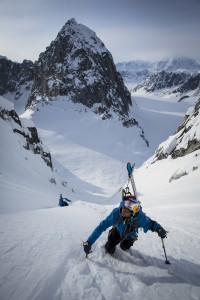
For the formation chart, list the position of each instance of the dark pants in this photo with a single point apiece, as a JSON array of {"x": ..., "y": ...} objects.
[{"x": 114, "y": 239}]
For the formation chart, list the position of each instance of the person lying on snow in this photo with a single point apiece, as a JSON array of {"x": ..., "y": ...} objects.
[
  {"x": 126, "y": 219},
  {"x": 63, "y": 201}
]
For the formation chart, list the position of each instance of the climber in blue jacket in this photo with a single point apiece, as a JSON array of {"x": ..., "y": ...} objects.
[
  {"x": 126, "y": 219},
  {"x": 63, "y": 201}
]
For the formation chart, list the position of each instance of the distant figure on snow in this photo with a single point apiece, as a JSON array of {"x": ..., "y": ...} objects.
[
  {"x": 125, "y": 221},
  {"x": 63, "y": 201}
]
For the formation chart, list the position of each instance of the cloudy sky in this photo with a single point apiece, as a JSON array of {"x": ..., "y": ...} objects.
[{"x": 130, "y": 29}]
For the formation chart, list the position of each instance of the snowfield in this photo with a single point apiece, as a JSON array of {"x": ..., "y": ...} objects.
[
  {"x": 41, "y": 252},
  {"x": 42, "y": 255}
]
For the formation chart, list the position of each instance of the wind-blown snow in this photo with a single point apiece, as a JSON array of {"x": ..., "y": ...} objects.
[
  {"x": 83, "y": 33},
  {"x": 41, "y": 253}
]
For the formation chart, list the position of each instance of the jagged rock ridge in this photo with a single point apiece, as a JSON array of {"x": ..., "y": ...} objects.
[
  {"x": 171, "y": 83},
  {"x": 177, "y": 76}
]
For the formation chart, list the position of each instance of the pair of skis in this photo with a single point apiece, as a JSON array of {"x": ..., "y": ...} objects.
[{"x": 131, "y": 179}]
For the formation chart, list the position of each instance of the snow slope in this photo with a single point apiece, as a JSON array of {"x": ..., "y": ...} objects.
[
  {"x": 159, "y": 117},
  {"x": 41, "y": 253},
  {"x": 22, "y": 171},
  {"x": 88, "y": 153},
  {"x": 93, "y": 150},
  {"x": 90, "y": 148}
]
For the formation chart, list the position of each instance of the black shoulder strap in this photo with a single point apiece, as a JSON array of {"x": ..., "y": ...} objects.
[
  {"x": 133, "y": 226},
  {"x": 118, "y": 221}
]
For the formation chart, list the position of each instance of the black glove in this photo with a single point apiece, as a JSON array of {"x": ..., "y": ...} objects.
[
  {"x": 162, "y": 233},
  {"x": 87, "y": 248}
]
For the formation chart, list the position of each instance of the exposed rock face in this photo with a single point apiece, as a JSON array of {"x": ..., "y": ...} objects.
[
  {"x": 186, "y": 139},
  {"x": 30, "y": 139},
  {"x": 177, "y": 76},
  {"x": 76, "y": 65},
  {"x": 171, "y": 83},
  {"x": 193, "y": 83},
  {"x": 163, "y": 80},
  {"x": 181, "y": 83},
  {"x": 15, "y": 77},
  {"x": 189, "y": 127}
]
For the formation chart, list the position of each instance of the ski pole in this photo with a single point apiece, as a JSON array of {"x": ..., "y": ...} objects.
[{"x": 166, "y": 260}]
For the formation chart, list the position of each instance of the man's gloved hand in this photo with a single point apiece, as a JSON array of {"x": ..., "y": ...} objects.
[
  {"x": 162, "y": 233},
  {"x": 87, "y": 248}
]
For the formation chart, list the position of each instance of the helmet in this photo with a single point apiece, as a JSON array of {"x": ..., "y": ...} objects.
[{"x": 131, "y": 203}]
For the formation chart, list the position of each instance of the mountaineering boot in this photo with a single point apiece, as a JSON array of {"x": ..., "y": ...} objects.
[
  {"x": 127, "y": 243},
  {"x": 109, "y": 249},
  {"x": 113, "y": 239}
]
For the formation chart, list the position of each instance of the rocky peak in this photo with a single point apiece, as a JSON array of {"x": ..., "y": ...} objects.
[
  {"x": 75, "y": 66},
  {"x": 80, "y": 36},
  {"x": 78, "y": 67}
]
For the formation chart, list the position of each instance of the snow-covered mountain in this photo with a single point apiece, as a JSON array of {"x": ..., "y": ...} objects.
[
  {"x": 134, "y": 72},
  {"x": 178, "y": 65},
  {"x": 181, "y": 85},
  {"x": 76, "y": 66},
  {"x": 177, "y": 76},
  {"x": 140, "y": 67},
  {"x": 41, "y": 253}
]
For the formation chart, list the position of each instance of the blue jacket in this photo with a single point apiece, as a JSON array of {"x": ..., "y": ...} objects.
[
  {"x": 63, "y": 201},
  {"x": 115, "y": 219}
]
